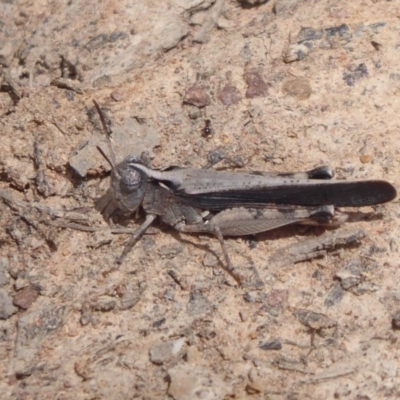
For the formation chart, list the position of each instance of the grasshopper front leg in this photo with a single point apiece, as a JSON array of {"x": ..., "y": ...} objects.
[{"x": 136, "y": 236}]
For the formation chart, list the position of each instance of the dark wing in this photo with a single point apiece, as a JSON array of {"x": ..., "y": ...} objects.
[
  {"x": 218, "y": 190},
  {"x": 306, "y": 193}
]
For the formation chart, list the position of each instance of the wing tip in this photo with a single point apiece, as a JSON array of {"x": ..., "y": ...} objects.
[{"x": 387, "y": 191}]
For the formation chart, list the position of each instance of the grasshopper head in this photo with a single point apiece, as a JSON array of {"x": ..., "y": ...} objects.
[
  {"x": 127, "y": 189},
  {"x": 129, "y": 184}
]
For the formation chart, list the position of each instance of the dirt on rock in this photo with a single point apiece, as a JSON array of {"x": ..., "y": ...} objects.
[{"x": 281, "y": 86}]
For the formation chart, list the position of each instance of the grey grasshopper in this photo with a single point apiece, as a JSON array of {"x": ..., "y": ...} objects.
[{"x": 231, "y": 203}]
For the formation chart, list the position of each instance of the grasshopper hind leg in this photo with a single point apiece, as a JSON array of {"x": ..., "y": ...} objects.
[
  {"x": 328, "y": 218},
  {"x": 323, "y": 172},
  {"x": 243, "y": 221},
  {"x": 231, "y": 269},
  {"x": 213, "y": 229},
  {"x": 320, "y": 173}
]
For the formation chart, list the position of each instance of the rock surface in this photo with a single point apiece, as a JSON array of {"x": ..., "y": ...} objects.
[{"x": 287, "y": 85}]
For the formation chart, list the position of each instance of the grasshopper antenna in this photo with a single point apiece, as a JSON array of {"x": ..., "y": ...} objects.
[{"x": 110, "y": 159}]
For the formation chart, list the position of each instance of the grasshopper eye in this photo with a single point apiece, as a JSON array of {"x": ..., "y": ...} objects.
[{"x": 130, "y": 180}]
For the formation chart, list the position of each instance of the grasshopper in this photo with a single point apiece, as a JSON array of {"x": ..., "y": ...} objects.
[{"x": 230, "y": 203}]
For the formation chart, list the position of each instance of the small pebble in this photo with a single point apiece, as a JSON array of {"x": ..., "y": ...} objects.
[
  {"x": 256, "y": 84},
  {"x": 6, "y": 305},
  {"x": 116, "y": 95},
  {"x": 366, "y": 158},
  {"x": 298, "y": 88},
  {"x": 197, "y": 96},
  {"x": 4, "y": 271},
  {"x": 244, "y": 315},
  {"x": 162, "y": 353},
  {"x": 274, "y": 344},
  {"x": 396, "y": 321},
  {"x": 229, "y": 95},
  {"x": 25, "y": 297},
  {"x": 104, "y": 305},
  {"x": 314, "y": 320},
  {"x": 198, "y": 304}
]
